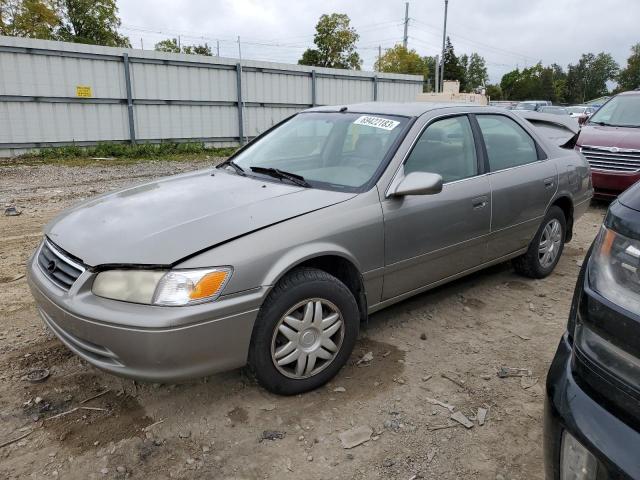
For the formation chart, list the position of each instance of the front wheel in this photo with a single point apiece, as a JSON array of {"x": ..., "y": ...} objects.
[
  {"x": 304, "y": 333},
  {"x": 546, "y": 248}
]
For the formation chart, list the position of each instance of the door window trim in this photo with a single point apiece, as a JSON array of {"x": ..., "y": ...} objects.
[{"x": 541, "y": 154}]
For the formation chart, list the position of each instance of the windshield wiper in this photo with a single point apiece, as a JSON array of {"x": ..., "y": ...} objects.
[
  {"x": 239, "y": 170},
  {"x": 282, "y": 175}
]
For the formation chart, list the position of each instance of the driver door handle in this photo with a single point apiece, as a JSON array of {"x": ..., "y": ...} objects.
[
  {"x": 548, "y": 182},
  {"x": 480, "y": 202}
]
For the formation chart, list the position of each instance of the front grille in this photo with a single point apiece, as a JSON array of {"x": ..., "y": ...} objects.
[
  {"x": 57, "y": 266},
  {"x": 613, "y": 159}
]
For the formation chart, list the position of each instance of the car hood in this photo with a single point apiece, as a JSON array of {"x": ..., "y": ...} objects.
[
  {"x": 631, "y": 197},
  {"x": 621, "y": 137},
  {"x": 162, "y": 222}
]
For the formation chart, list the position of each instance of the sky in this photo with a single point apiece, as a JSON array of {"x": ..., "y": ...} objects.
[{"x": 507, "y": 33}]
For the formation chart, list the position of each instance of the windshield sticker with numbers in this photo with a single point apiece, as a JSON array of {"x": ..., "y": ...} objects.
[{"x": 376, "y": 122}]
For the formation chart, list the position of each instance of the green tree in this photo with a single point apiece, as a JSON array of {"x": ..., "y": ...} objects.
[
  {"x": 335, "y": 42},
  {"x": 629, "y": 77},
  {"x": 28, "y": 18},
  {"x": 588, "y": 78},
  {"x": 477, "y": 75},
  {"x": 452, "y": 68},
  {"x": 91, "y": 21},
  {"x": 400, "y": 60},
  {"x": 169, "y": 45},
  {"x": 494, "y": 92},
  {"x": 198, "y": 50}
]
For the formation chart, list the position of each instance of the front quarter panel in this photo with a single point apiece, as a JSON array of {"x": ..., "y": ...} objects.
[{"x": 352, "y": 229}]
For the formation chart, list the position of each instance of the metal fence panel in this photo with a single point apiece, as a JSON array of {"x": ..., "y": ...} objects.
[{"x": 56, "y": 93}]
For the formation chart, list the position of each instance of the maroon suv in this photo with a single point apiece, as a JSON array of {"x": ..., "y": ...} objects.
[{"x": 610, "y": 141}]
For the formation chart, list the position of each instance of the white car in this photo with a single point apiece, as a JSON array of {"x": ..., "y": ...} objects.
[{"x": 578, "y": 110}]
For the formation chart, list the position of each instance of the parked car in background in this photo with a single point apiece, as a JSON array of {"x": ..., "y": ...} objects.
[
  {"x": 610, "y": 140},
  {"x": 559, "y": 129},
  {"x": 276, "y": 256},
  {"x": 592, "y": 411},
  {"x": 578, "y": 111},
  {"x": 533, "y": 105},
  {"x": 553, "y": 110},
  {"x": 506, "y": 104}
]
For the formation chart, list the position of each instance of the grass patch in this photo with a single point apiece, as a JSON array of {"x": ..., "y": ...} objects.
[{"x": 116, "y": 153}]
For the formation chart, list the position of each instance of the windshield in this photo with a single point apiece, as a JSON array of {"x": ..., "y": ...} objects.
[
  {"x": 329, "y": 150},
  {"x": 620, "y": 111}
]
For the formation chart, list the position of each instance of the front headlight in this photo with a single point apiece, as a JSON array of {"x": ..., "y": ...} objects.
[
  {"x": 161, "y": 287},
  {"x": 614, "y": 267}
]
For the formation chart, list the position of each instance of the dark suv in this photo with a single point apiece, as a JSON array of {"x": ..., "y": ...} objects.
[
  {"x": 610, "y": 140},
  {"x": 592, "y": 410}
]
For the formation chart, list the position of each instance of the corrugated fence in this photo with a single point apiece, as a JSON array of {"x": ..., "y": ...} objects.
[{"x": 57, "y": 93}]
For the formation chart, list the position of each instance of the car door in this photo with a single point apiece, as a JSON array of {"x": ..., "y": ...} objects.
[
  {"x": 431, "y": 237},
  {"x": 522, "y": 181}
]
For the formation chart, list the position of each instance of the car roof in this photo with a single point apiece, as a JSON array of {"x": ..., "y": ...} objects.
[{"x": 408, "y": 109}]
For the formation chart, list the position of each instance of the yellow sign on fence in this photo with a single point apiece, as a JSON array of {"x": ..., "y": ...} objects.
[{"x": 83, "y": 91}]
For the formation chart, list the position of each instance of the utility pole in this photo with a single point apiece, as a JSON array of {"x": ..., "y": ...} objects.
[
  {"x": 141, "y": 44},
  {"x": 179, "y": 44},
  {"x": 436, "y": 83},
  {"x": 218, "y": 47},
  {"x": 405, "y": 39},
  {"x": 444, "y": 38},
  {"x": 240, "y": 73},
  {"x": 379, "y": 54}
]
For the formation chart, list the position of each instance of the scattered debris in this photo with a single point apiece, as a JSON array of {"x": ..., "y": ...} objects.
[
  {"x": 453, "y": 379},
  {"x": 433, "y": 401},
  {"x": 505, "y": 372},
  {"x": 12, "y": 212},
  {"x": 185, "y": 434},
  {"x": 355, "y": 436},
  {"x": 423, "y": 336},
  {"x": 75, "y": 409},
  {"x": 388, "y": 462},
  {"x": 433, "y": 428},
  {"x": 269, "y": 407},
  {"x": 16, "y": 278},
  {"x": 481, "y": 415},
  {"x": 430, "y": 454},
  {"x": 339, "y": 389},
  {"x": 427, "y": 378},
  {"x": 95, "y": 396},
  {"x": 461, "y": 419},
  {"x": 37, "y": 375},
  {"x": 579, "y": 262},
  {"x": 149, "y": 427},
  {"x": 9, "y": 442},
  {"x": 386, "y": 354},
  {"x": 399, "y": 380},
  {"x": 528, "y": 382},
  {"x": 522, "y": 337},
  {"x": 366, "y": 358},
  {"x": 271, "y": 435}
]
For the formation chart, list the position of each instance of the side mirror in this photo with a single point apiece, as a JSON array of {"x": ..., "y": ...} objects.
[
  {"x": 582, "y": 119},
  {"x": 418, "y": 183}
]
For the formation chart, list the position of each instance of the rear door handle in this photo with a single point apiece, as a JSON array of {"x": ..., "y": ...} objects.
[
  {"x": 479, "y": 202},
  {"x": 548, "y": 182}
]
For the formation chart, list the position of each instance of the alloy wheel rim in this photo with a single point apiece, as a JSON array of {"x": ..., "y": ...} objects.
[
  {"x": 550, "y": 243},
  {"x": 307, "y": 338}
]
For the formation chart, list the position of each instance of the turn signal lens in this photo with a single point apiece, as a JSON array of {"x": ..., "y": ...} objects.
[
  {"x": 184, "y": 287},
  {"x": 209, "y": 285}
]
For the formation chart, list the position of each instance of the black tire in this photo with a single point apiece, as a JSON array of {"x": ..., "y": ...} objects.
[
  {"x": 529, "y": 264},
  {"x": 299, "y": 285}
]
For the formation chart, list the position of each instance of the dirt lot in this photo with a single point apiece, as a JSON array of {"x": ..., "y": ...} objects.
[{"x": 444, "y": 345}]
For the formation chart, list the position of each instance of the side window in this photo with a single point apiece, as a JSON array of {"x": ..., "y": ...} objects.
[
  {"x": 447, "y": 148},
  {"x": 508, "y": 144}
]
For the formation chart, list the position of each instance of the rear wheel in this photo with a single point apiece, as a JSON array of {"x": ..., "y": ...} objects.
[
  {"x": 546, "y": 248},
  {"x": 304, "y": 333}
]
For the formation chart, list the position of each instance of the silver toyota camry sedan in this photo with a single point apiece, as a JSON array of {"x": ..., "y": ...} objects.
[{"x": 275, "y": 257}]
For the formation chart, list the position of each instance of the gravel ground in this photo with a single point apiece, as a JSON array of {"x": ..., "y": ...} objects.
[{"x": 444, "y": 345}]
